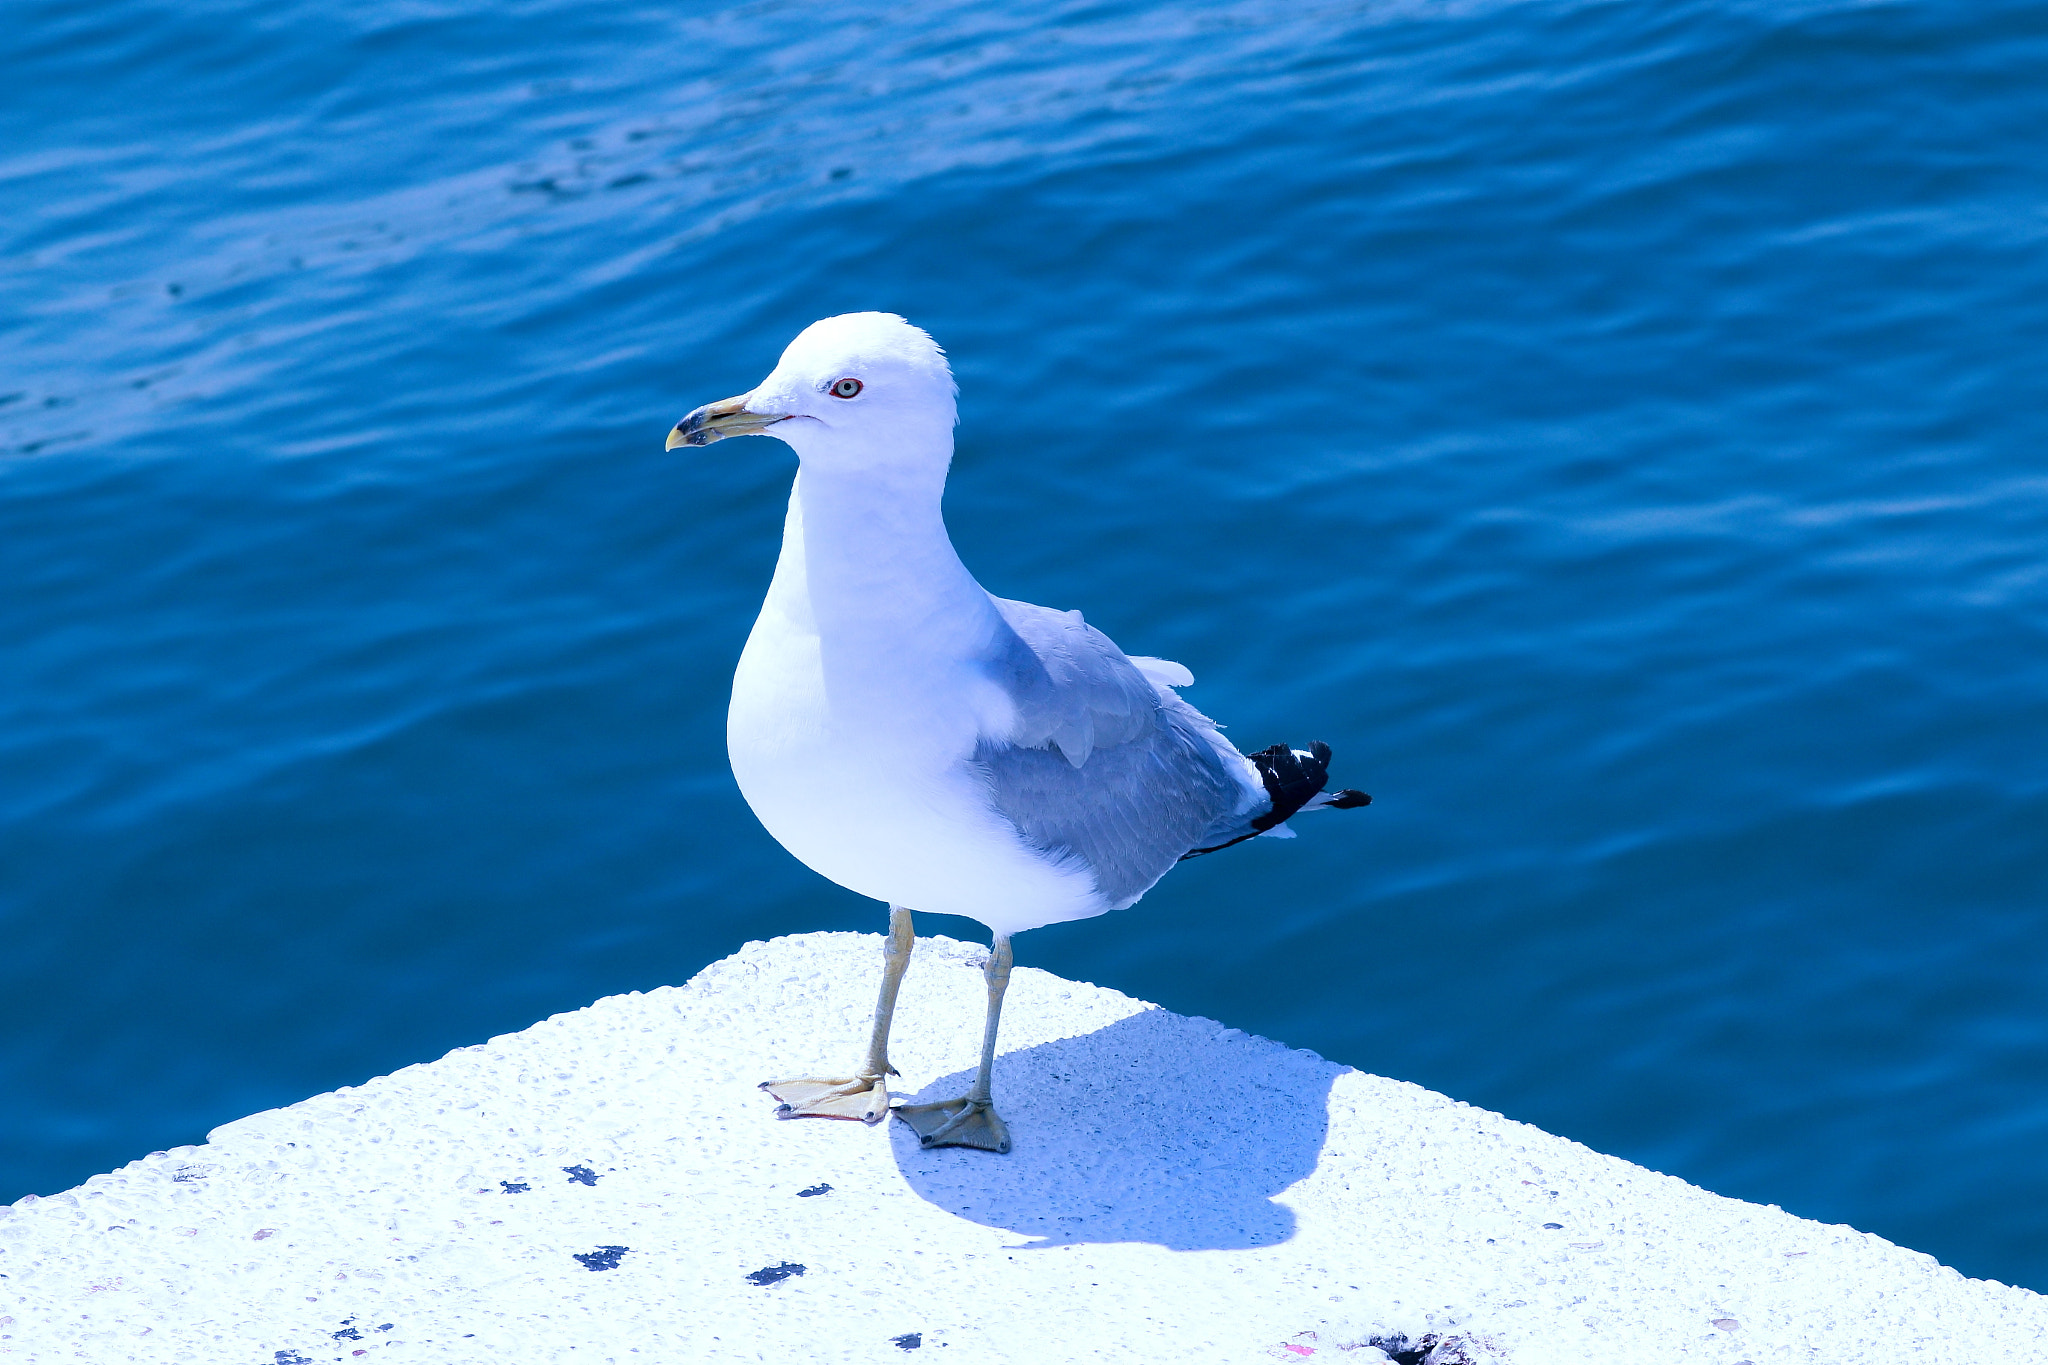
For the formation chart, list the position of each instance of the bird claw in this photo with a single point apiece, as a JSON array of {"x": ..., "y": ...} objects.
[
  {"x": 865, "y": 1098},
  {"x": 963, "y": 1122}
]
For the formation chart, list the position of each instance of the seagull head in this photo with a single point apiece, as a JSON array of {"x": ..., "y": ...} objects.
[{"x": 857, "y": 391}]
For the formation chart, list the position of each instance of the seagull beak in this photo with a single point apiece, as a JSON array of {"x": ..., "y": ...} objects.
[{"x": 716, "y": 421}]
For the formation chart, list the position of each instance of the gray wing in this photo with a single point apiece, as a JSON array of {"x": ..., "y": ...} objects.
[{"x": 1105, "y": 767}]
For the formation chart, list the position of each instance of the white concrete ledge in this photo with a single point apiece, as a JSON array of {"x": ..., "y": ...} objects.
[{"x": 608, "y": 1186}]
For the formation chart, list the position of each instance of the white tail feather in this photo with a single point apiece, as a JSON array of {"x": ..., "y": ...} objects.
[{"x": 1163, "y": 671}]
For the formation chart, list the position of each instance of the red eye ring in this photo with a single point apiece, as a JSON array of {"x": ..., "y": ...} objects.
[{"x": 848, "y": 387}]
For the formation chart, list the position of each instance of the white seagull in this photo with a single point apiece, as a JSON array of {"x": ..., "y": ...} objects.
[{"x": 915, "y": 739}]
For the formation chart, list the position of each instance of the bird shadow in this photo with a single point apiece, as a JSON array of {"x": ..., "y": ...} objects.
[{"x": 1158, "y": 1128}]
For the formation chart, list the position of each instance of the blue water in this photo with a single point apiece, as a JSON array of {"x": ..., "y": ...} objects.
[{"x": 1618, "y": 429}]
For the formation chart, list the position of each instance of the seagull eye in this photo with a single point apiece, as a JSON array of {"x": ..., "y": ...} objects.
[{"x": 846, "y": 388}]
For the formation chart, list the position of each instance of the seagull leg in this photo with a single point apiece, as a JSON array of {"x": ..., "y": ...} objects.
[
  {"x": 866, "y": 1095},
  {"x": 971, "y": 1121}
]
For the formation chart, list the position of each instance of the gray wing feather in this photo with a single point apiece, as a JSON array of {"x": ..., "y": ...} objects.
[
  {"x": 1105, "y": 767},
  {"x": 1073, "y": 687}
]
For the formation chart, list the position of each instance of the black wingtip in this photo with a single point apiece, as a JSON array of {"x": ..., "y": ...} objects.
[{"x": 1292, "y": 777}]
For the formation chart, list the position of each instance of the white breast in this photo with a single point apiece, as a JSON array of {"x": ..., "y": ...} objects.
[{"x": 853, "y": 744}]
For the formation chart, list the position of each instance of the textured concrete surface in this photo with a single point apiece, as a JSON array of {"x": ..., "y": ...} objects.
[{"x": 609, "y": 1186}]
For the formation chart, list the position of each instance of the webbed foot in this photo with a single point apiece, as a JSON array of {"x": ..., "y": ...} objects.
[
  {"x": 957, "y": 1123},
  {"x": 847, "y": 1097}
]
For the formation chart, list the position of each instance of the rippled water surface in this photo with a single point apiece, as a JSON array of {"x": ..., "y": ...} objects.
[{"x": 1617, "y": 428}]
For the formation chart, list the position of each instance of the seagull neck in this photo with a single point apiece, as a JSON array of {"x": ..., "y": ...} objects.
[{"x": 869, "y": 550}]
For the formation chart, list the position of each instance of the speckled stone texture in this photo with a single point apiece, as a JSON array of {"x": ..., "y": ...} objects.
[{"x": 609, "y": 1186}]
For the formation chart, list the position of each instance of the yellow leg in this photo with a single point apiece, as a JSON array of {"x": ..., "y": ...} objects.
[
  {"x": 971, "y": 1121},
  {"x": 864, "y": 1096}
]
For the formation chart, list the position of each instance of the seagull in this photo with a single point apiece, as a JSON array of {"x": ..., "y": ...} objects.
[{"x": 918, "y": 740}]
